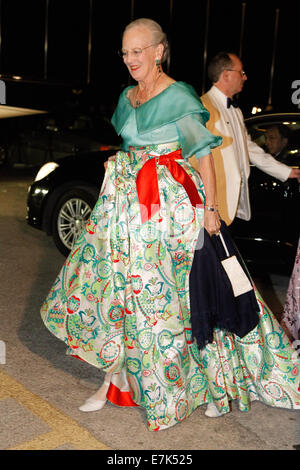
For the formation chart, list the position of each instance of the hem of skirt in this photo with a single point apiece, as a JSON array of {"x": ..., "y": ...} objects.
[
  {"x": 114, "y": 394},
  {"x": 77, "y": 357},
  {"x": 117, "y": 397},
  {"x": 84, "y": 360}
]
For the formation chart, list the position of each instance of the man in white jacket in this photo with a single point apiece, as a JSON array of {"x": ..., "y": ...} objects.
[{"x": 232, "y": 158}]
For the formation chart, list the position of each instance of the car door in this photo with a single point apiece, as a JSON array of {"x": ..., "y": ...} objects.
[{"x": 273, "y": 230}]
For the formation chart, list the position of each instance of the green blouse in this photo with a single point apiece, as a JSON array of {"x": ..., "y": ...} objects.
[{"x": 175, "y": 114}]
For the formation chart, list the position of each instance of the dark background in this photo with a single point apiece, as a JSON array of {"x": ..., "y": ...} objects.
[{"x": 68, "y": 73}]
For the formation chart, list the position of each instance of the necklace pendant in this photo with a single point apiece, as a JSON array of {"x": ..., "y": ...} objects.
[{"x": 137, "y": 103}]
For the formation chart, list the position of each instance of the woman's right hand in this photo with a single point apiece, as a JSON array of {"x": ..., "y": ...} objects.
[
  {"x": 207, "y": 172},
  {"x": 112, "y": 158},
  {"x": 212, "y": 222}
]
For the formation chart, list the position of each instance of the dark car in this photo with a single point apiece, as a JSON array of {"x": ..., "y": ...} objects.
[
  {"x": 63, "y": 195},
  {"x": 272, "y": 233},
  {"x": 13, "y": 119},
  {"x": 35, "y": 140},
  {"x": 60, "y": 201}
]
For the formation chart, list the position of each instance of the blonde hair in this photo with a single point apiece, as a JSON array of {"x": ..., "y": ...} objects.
[{"x": 159, "y": 37}]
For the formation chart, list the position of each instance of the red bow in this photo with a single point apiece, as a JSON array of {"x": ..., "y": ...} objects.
[{"x": 147, "y": 184}]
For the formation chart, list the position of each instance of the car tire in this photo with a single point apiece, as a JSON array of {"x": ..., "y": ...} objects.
[{"x": 70, "y": 215}]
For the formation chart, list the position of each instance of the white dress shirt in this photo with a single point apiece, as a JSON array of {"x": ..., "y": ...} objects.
[{"x": 245, "y": 151}]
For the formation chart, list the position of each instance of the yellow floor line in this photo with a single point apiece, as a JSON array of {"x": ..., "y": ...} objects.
[
  {"x": 43, "y": 442},
  {"x": 64, "y": 430}
]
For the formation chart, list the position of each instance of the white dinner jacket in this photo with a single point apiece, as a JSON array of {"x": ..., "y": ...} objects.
[{"x": 232, "y": 158}]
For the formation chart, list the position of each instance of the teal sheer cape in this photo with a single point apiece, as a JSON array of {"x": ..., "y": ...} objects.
[{"x": 175, "y": 114}]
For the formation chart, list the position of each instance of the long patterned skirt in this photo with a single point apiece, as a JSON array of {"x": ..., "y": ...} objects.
[{"x": 121, "y": 303}]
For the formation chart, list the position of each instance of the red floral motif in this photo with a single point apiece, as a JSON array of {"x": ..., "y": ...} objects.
[
  {"x": 137, "y": 284},
  {"x": 73, "y": 304},
  {"x": 90, "y": 297},
  {"x": 89, "y": 228}
]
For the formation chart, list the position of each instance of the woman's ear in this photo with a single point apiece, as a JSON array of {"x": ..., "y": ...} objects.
[{"x": 159, "y": 52}]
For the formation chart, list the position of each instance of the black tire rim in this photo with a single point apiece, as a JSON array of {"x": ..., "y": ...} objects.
[{"x": 71, "y": 219}]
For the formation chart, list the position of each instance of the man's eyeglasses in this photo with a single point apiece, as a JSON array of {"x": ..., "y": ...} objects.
[
  {"x": 135, "y": 52},
  {"x": 241, "y": 72}
]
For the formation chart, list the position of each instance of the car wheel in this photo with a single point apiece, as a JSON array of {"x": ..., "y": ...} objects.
[{"x": 70, "y": 215}]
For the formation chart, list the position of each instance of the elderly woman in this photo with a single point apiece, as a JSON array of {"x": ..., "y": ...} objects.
[{"x": 121, "y": 301}]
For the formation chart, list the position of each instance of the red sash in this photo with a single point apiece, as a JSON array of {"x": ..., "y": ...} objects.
[{"x": 147, "y": 184}]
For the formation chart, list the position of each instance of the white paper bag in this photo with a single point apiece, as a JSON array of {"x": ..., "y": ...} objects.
[{"x": 239, "y": 281}]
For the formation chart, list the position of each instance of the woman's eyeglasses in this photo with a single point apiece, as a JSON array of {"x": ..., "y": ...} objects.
[{"x": 135, "y": 52}]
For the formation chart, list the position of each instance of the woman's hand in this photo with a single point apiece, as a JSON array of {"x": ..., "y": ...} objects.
[
  {"x": 212, "y": 222},
  {"x": 207, "y": 172},
  {"x": 112, "y": 158}
]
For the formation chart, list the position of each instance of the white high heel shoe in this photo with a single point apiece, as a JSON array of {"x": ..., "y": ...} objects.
[
  {"x": 212, "y": 411},
  {"x": 92, "y": 404}
]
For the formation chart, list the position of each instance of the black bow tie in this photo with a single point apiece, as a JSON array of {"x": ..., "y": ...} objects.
[{"x": 232, "y": 102}]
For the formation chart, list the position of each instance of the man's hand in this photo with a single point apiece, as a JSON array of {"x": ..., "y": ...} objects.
[{"x": 295, "y": 173}]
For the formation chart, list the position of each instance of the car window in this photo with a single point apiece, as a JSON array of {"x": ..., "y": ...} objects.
[
  {"x": 258, "y": 132},
  {"x": 81, "y": 123}
]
